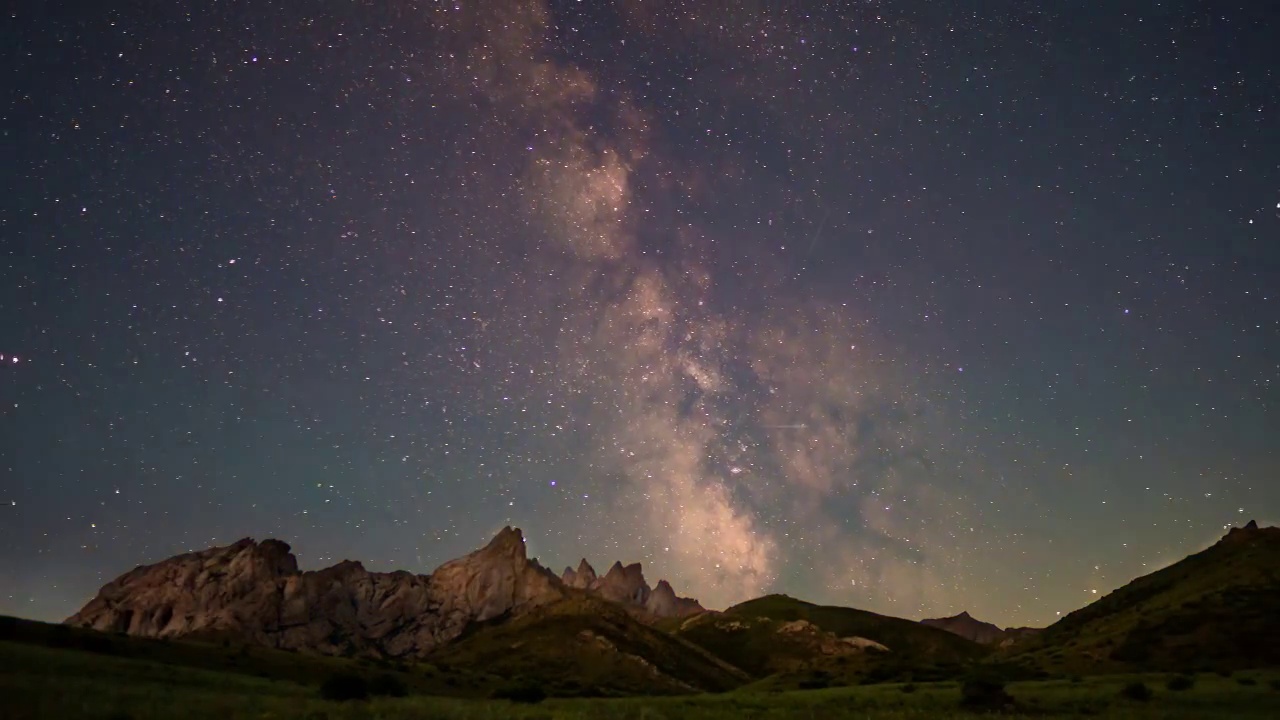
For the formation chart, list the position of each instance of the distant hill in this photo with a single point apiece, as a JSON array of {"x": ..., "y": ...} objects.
[
  {"x": 1217, "y": 609},
  {"x": 983, "y": 633},
  {"x": 788, "y": 643},
  {"x": 904, "y": 638},
  {"x": 966, "y": 626},
  {"x": 762, "y": 646}
]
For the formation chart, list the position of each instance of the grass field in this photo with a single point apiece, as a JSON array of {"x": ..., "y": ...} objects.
[{"x": 38, "y": 682}]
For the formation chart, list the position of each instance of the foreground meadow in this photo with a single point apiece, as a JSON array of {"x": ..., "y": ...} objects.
[{"x": 40, "y": 682}]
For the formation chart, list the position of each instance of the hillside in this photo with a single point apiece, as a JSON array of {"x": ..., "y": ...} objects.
[
  {"x": 904, "y": 638},
  {"x": 762, "y": 646},
  {"x": 788, "y": 643},
  {"x": 1217, "y": 609},
  {"x": 584, "y": 645}
]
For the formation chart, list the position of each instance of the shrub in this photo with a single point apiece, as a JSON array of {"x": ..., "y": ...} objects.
[
  {"x": 1136, "y": 691},
  {"x": 1076, "y": 679},
  {"x": 984, "y": 693},
  {"x": 521, "y": 692},
  {"x": 909, "y": 688},
  {"x": 389, "y": 685},
  {"x": 1246, "y": 681},
  {"x": 8, "y": 627},
  {"x": 1275, "y": 685},
  {"x": 344, "y": 686},
  {"x": 1224, "y": 672},
  {"x": 1180, "y": 682}
]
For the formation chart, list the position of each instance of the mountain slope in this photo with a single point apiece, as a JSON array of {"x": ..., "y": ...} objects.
[
  {"x": 787, "y": 643},
  {"x": 1218, "y": 609},
  {"x": 762, "y": 646},
  {"x": 904, "y": 638},
  {"x": 584, "y": 645}
]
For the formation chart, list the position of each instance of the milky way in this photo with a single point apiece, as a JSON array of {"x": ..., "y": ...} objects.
[{"x": 889, "y": 305}]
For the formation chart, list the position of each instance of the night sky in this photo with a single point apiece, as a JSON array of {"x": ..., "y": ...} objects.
[{"x": 897, "y": 305}]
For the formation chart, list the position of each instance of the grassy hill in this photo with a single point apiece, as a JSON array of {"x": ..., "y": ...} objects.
[
  {"x": 758, "y": 645},
  {"x": 760, "y": 636},
  {"x": 587, "y": 646},
  {"x": 1218, "y": 609},
  {"x": 904, "y": 638}
]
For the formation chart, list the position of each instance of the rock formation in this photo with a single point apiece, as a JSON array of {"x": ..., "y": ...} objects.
[
  {"x": 582, "y": 578},
  {"x": 664, "y": 602},
  {"x": 623, "y": 585},
  {"x": 626, "y": 585},
  {"x": 253, "y": 592}
]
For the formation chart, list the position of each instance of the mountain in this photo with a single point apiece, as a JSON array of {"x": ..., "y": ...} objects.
[
  {"x": 966, "y": 626},
  {"x": 1216, "y": 609},
  {"x": 253, "y": 592}
]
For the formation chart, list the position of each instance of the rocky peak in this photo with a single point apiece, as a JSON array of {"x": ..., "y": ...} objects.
[
  {"x": 663, "y": 602},
  {"x": 623, "y": 585},
  {"x": 581, "y": 578},
  {"x": 1250, "y": 532},
  {"x": 509, "y": 542}
]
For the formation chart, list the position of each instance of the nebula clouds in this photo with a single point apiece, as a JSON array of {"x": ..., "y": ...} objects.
[{"x": 738, "y": 444}]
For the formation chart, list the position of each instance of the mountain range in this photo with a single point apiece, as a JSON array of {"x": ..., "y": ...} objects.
[{"x": 498, "y": 612}]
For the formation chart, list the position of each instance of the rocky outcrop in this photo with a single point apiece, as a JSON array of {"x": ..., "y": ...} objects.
[
  {"x": 582, "y": 578},
  {"x": 626, "y": 586},
  {"x": 254, "y": 592},
  {"x": 623, "y": 585},
  {"x": 663, "y": 602}
]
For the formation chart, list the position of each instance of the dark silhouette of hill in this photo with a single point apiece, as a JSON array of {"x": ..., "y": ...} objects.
[{"x": 1217, "y": 609}]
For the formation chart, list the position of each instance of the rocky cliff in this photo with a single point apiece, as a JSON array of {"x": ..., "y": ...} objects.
[
  {"x": 254, "y": 592},
  {"x": 625, "y": 585}
]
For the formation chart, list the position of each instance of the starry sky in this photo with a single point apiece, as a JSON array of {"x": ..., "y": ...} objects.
[{"x": 905, "y": 306}]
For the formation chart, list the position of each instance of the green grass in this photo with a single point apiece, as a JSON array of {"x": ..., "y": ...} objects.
[{"x": 42, "y": 682}]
